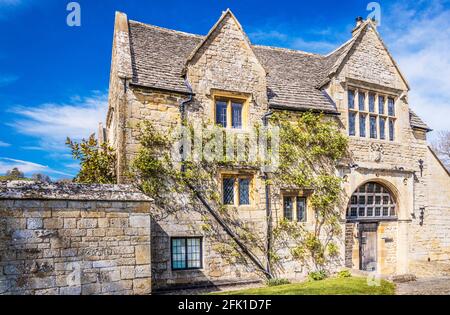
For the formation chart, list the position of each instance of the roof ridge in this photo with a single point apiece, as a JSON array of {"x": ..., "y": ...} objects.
[
  {"x": 288, "y": 50},
  {"x": 168, "y": 30}
]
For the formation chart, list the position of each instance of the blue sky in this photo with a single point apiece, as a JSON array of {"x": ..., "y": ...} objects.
[{"x": 54, "y": 78}]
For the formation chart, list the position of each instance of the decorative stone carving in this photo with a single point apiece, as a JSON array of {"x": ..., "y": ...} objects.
[{"x": 376, "y": 152}]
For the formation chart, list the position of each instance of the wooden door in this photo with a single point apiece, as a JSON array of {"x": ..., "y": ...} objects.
[{"x": 368, "y": 246}]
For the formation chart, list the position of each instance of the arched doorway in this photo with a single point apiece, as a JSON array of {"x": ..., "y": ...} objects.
[{"x": 370, "y": 204}]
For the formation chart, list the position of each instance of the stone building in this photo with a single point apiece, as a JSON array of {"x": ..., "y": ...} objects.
[{"x": 398, "y": 216}]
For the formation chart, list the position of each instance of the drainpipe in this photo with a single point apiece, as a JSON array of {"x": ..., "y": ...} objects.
[
  {"x": 205, "y": 203},
  {"x": 269, "y": 218},
  {"x": 183, "y": 117}
]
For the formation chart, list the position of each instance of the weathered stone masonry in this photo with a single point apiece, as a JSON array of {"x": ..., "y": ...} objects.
[{"x": 74, "y": 239}]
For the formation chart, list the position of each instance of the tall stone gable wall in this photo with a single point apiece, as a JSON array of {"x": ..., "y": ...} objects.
[
  {"x": 74, "y": 240},
  {"x": 369, "y": 67}
]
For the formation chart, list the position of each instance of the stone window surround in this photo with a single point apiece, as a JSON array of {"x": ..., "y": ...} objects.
[
  {"x": 237, "y": 176},
  {"x": 229, "y": 97},
  {"x": 367, "y": 91},
  {"x": 294, "y": 196}
]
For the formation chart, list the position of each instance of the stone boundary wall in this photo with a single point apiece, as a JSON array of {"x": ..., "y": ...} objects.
[{"x": 67, "y": 239}]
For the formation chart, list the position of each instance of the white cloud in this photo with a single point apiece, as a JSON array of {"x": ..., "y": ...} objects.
[
  {"x": 10, "y": 3},
  {"x": 418, "y": 36},
  {"x": 27, "y": 167},
  {"x": 52, "y": 123},
  {"x": 7, "y": 79},
  {"x": 4, "y": 144}
]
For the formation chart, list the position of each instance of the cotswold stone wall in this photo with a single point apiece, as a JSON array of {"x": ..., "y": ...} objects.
[{"x": 73, "y": 240}]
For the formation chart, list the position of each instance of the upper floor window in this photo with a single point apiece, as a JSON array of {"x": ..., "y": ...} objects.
[
  {"x": 371, "y": 102},
  {"x": 391, "y": 106},
  {"x": 236, "y": 190},
  {"x": 294, "y": 208},
  {"x": 351, "y": 99},
  {"x": 229, "y": 113},
  {"x": 374, "y": 117}
]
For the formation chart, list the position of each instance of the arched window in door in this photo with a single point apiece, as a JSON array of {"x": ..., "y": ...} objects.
[{"x": 372, "y": 201}]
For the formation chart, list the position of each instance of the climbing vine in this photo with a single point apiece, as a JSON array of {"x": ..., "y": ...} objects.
[{"x": 310, "y": 147}]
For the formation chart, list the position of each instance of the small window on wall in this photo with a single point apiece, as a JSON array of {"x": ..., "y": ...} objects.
[
  {"x": 295, "y": 208},
  {"x": 229, "y": 113},
  {"x": 187, "y": 253},
  {"x": 236, "y": 190}
]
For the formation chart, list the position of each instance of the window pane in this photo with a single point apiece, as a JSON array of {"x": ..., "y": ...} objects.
[
  {"x": 351, "y": 99},
  {"x": 352, "y": 119},
  {"x": 391, "y": 130},
  {"x": 288, "y": 205},
  {"x": 382, "y": 128},
  {"x": 301, "y": 209},
  {"x": 236, "y": 112},
  {"x": 244, "y": 191},
  {"x": 228, "y": 191},
  {"x": 373, "y": 127},
  {"x": 362, "y": 125},
  {"x": 221, "y": 113},
  {"x": 194, "y": 259},
  {"x": 372, "y": 103},
  {"x": 362, "y": 212},
  {"x": 381, "y": 102},
  {"x": 362, "y": 100},
  {"x": 179, "y": 254},
  {"x": 391, "y": 107}
]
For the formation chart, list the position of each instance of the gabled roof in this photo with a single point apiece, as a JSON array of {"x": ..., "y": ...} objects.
[
  {"x": 295, "y": 78},
  {"x": 417, "y": 122}
]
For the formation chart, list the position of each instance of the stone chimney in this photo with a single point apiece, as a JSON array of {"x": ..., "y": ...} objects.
[{"x": 359, "y": 22}]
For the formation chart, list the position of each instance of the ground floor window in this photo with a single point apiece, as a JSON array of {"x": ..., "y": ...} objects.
[
  {"x": 187, "y": 253},
  {"x": 372, "y": 200},
  {"x": 294, "y": 208}
]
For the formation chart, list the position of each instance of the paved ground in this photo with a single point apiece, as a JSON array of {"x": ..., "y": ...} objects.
[{"x": 425, "y": 286}]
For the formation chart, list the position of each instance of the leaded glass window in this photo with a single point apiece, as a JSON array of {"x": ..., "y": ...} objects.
[
  {"x": 186, "y": 253},
  {"x": 382, "y": 128},
  {"x": 288, "y": 208},
  {"x": 352, "y": 122},
  {"x": 391, "y": 107},
  {"x": 372, "y": 200},
  {"x": 179, "y": 253},
  {"x": 373, "y": 127},
  {"x": 362, "y": 101},
  {"x": 244, "y": 191},
  {"x": 228, "y": 191},
  {"x": 362, "y": 125},
  {"x": 236, "y": 190},
  {"x": 370, "y": 117},
  {"x": 236, "y": 113},
  {"x": 391, "y": 130},
  {"x": 371, "y": 102},
  {"x": 381, "y": 103},
  {"x": 351, "y": 99},
  {"x": 221, "y": 113},
  {"x": 301, "y": 209}
]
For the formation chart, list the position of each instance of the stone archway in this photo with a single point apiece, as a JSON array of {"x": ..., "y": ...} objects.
[{"x": 372, "y": 208}]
